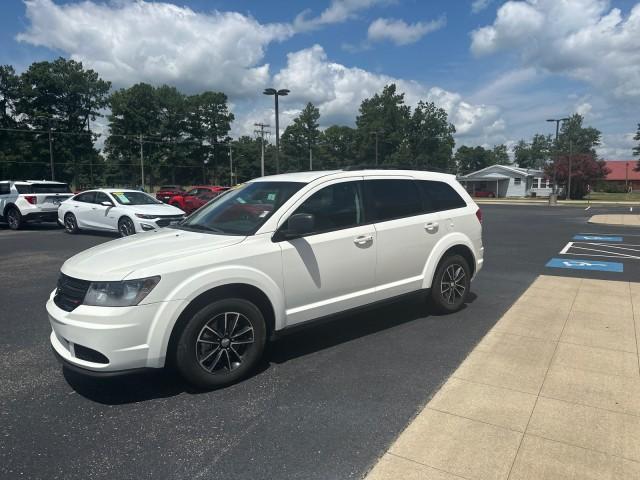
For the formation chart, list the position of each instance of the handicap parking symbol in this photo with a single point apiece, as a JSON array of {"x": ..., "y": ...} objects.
[
  {"x": 597, "y": 238},
  {"x": 585, "y": 264}
]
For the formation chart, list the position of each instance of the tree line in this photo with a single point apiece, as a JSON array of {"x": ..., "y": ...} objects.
[{"x": 185, "y": 138}]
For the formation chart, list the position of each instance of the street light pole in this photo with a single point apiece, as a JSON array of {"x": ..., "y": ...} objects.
[
  {"x": 569, "y": 181},
  {"x": 230, "y": 166},
  {"x": 277, "y": 93},
  {"x": 141, "y": 162},
  {"x": 555, "y": 163},
  {"x": 376, "y": 135}
]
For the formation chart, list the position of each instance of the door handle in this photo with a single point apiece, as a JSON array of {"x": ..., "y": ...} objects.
[
  {"x": 363, "y": 239},
  {"x": 431, "y": 227}
]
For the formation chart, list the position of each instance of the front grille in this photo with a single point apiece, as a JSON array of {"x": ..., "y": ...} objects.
[
  {"x": 165, "y": 220},
  {"x": 70, "y": 292}
]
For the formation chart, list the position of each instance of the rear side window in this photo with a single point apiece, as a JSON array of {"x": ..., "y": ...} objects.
[
  {"x": 389, "y": 199},
  {"x": 50, "y": 188},
  {"x": 4, "y": 188},
  {"x": 22, "y": 188},
  {"x": 87, "y": 197},
  {"x": 438, "y": 196},
  {"x": 101, "y": 197}
]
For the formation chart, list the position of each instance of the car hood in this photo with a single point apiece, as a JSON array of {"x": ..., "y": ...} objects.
[
  {"x": 155, "y": 209},
  {"x": 115, "y": 260}
]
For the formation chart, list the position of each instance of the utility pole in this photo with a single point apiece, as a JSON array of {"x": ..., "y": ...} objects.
[
  {"x": 376, "y": 133},
  {"x": 261, "y": 133},
  {"x": 569, "y": 180},
  {"x": 555, "y": 163},
  {"x": 230, "y": 166},
  {"x": 53, "y": 175},
  {"x": 277, "y": 93},
  {"x": 141, "y": 162},
  {"x": 310, "y": 158}
]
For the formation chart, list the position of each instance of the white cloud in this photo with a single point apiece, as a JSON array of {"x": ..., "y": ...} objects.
[
  {"x": 157, "y": 42},
  {"x": 616, "y": 146},
  {"x": 339, "y": 11},
  {"x": 400, "y": 32},
  {"x": 583, "y": 39},
  {"x": 338, "y": 90},
  {"x": 479, "y": 5}
]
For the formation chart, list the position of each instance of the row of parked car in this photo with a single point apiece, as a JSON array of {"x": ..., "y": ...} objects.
[{"x": 125, "y": 211}]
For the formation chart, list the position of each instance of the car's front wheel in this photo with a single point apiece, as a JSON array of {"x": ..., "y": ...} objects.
[
  {"x": 221, "y": 343},
  {"x": 126, "y": 227},
  {"x": 14, "y": 218},
  {"x": 451, "y": 283},
  {"x": 70, "y": 223}
]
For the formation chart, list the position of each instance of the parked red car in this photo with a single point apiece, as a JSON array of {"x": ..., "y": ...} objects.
[
  {"x": 484, "y": 193},
  {"x": 166, "y": 192},
  {"x": 196, "y": 197}
]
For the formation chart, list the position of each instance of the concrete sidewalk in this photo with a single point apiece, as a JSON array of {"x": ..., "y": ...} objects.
[
  {"x": 551, "y": 392},
  {"x": 626, "y": 220}
]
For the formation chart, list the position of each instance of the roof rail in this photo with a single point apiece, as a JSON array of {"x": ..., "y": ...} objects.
[{"x": 388, "y": 166}]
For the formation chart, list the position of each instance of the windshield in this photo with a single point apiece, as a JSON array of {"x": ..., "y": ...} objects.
[
  {"x": 134, "y": 198},
  {"x": 243, "y": 210}
]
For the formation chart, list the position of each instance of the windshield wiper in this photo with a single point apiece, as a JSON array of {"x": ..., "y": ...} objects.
[{"x": 198, "y": 226}]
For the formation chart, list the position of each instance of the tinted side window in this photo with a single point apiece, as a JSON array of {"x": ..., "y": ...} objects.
[
  {"x": 4, "y": 188},
  {"x": 438, "y": 196},
  {"x": 335, "y": 207},
  {"x": 50, "y": 188},
  {"x": 389, "y": 199},
  {"x": 101, "y": 197},
  {"x": 22, "y": 188},
  {"x": 86, "y": 197}
]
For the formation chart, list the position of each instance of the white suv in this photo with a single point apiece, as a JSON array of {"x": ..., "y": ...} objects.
[
  {"x": 205, "y": 295},
  {"x": 31, "y": 200}
]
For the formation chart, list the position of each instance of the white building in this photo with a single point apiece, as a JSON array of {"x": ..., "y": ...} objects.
[{"x": 505, "y": 181}]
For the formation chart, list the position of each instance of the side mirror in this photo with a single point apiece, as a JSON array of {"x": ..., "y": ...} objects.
[
  {"x": 299, "y": 225},
  {"x": 106, "y": 204}
]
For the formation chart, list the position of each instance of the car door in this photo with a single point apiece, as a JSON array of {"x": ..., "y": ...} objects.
[
  {"x": 81, "y": 207},
  {"x": 406, "y": 233},
  {"x": 333, "y": 268},
  {"x": 98, "y": 215}
]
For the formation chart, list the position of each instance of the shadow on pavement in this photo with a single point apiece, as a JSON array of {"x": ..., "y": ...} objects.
[{"x": 139, "y": 387}]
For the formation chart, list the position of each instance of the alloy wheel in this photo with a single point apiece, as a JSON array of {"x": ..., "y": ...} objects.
[
  {"x": 126, "y": 228},
  {"x": 452, "y": 285},
  {"x": 69, "y": 223},
  {"x": 223, "y": 342}
]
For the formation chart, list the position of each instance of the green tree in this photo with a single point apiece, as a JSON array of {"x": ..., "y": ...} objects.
[
  {"x": 535, "y": 154},
  {"x": 386, "y": 116},
  {"x": 582, "y": 139},
  {"x": 11, "y": 143},
  {"x": 300, "y": 138},
  {"x": 430, "y": 138},
  {"x": 500, "y": 155},
  {"x": 64, "y": 96},
  {"x": 471, "y": 159},
  {"x": 338, "y": 147}
]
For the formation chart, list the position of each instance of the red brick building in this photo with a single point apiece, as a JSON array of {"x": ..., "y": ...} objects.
[{"x": 622, "y": 173}]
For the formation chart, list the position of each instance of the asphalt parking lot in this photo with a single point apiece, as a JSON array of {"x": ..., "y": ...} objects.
[{"x": 327, "y": 402}]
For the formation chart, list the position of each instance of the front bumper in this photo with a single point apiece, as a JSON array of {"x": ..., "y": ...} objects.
[{"x": 121, "y": 334}]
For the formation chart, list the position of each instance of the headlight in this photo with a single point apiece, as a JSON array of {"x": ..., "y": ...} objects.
[
  {"x": 119, "y": 294},
  {"x": 146, "y": 217}
]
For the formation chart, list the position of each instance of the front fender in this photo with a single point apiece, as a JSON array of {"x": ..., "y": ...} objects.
[
  {"x": 445, "y": 243},
  {"x": 188, "y": 290}
]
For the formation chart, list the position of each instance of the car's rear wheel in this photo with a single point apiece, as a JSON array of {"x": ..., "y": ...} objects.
[
  {"x": 14, "y": 218},
  {"x": 221, "y": 343},
  {"x": 126, "y": 227},
  {"x": 70, "y": 223},
  {"x": 450, "y": 287}
]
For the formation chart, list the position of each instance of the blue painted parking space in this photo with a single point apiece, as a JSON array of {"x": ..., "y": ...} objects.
[
  {"x": 597, "y": 238},
  {"x": 585, "y": 264}
]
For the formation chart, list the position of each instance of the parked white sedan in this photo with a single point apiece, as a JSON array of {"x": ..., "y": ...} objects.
[{"x": 117, "y": 210}]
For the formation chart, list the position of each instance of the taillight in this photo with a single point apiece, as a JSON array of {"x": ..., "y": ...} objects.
[
  {"x": 32, "y": 199},
  {"x": 479, "y": 215}
]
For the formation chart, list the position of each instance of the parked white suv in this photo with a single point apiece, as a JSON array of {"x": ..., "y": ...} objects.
[
  {"x": 31, "y": 200},
  {"x": 278, "y": 251}
]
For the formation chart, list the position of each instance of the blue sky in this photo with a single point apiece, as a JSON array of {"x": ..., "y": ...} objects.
[{"x": 498, "y": 68}]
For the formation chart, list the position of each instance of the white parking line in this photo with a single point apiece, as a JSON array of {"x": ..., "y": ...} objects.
[{"x": 611, "y": 251}]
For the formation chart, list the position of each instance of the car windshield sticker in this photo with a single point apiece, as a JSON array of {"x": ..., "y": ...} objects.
[
  {"x": 271, "y": 197},
  {"x": 122, "y": 197}
]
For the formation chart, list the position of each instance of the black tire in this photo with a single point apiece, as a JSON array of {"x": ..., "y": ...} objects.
[
  {"x": 14, "y": 218},
  {"x": 212, "y": 351},
  {"x": 126, "y": 227},
  {"x": 71, "y": 223},
  {"x": 445, "y": 296}
]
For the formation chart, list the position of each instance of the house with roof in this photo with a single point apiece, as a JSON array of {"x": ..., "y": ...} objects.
[
  {"x": 506, "y": 181},
  {"x": 622, "y": 174}
]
